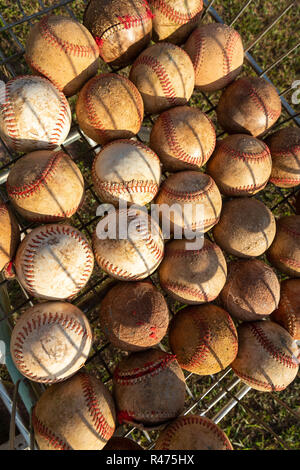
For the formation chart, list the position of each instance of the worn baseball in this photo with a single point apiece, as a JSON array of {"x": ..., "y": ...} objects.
[
  {"x": 122, "y": 443},
  {"x": 202, "y": 272},
  {"x": 64, "y": 51},
  {"x": 45, "y": 186},
  {"x": 250, "y": 105},
  {"x": 149, "y": 388},
  {"x": 241, "y": 165},
  {"x": 217, "y": 53},
  {"x": 203, "y": 338},
  {"x": 51, "y": 342},
  {"x": 134, "y": 315},
  {"x": 285, "y": 151},
  {"x": 252, "y": 290},
  {"x": 246, "y": 229},
  {"x": 184, "y": 138},
  {"x": 121, "y": 28},
  {"x": 267, "y": 356},
  {"x": 34, "y": 115},
  {"x": 54, "y": 262},
  {"x": 288, "y": 312},
  {"x": 174, "y": 20},
  {"x": 190, "y": 201},
  {"x": 284, "y": 253},
  {"x": 126, "y": 170},
  {"x": 9, "y": 236},
  {"x": 165, "y": 77},
  {"x": 109, "y": 107},
  {"x": 192, "y": 432},
  {"x": 77, "y": 414},
  {"x": 135, "y": 247}
]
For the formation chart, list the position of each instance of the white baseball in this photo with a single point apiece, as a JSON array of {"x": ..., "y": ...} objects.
[
  {"x": 34, "y": 114},
  {"x": 54, "y": 262},
  {"x": 51, "y": 341}
]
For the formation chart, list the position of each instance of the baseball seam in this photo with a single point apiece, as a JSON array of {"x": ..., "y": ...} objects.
[
  {"x": 288, "y": 151},
  {"x": 289, "y": 315},
  {"x": 179, "y": 288},
  {"x": 37, "y": 68},
  {"x": 244, "y": 189},
  {"x": 10, "y": 117},
  {"x": 176, "y": 16},
  {"x": 43, "y": 430},
  {"x": 228, "y": 51},
  {"x": 260, "y": 383},
  {"x": 184, "y": 195},
  {"x": 153, "y": 368},
  {"x": 199, "y": 49},
  {"x": 273, "y": 115},
  {"x": 234, "y": 153},
  {"x": 287, "y": 180}
]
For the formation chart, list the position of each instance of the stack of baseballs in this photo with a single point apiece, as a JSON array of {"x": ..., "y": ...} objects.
[{"x": 54, "y": 261}]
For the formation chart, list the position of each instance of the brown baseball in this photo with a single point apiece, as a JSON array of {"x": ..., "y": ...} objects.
[
  {"x": 202, "y": 272},
  {"x": 45, "y": 186},
  {"x": 267, "y": 356},
  {"x": 241, "y": 165},
  {"x": 77, "y": 414},
  {"x": 246, "y": 229},
  {"x": 288, "y": 312},
  {"x": 197, "y": 198},
  {"x": 64, "y": 51},
  {"x": 217, "y": 53},
  {"x": 122, "y": 443},
  {"x": 192, "y": 432},
  {"x": 9, "y": 236},
  {"x": 284, "y": 253},
  {"x": 252, "y": 290},
  {"x": 149, "y": 388},
  {"x": 121, "y": 28},
  {"x": 183, "y": 137},
  {"x": 203, "y": 338},
  {"x": 134, "y": 315},
  {"x": 250, "y": 105},
  {"x": 174, "y": 20},
  {"x": 164, "y": 76},
  {"x": 51, "y": 341},
  {"x": 285, "y": 151},
  {"x": 109, "y": 107},
  {"x": 126, "y": 170}
]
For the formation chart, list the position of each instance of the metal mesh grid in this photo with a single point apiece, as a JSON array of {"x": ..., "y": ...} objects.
[{"x": 213, "y": 396}]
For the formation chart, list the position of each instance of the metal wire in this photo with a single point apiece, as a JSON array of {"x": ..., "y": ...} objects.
[{"x": 225, "y": 388}]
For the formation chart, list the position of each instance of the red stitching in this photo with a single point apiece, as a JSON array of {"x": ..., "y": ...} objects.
[
  {"x": 269, "y": 113},
  {"x": 179, "y": 288},
  {"x": 37, "y": 68},
  {"x": 266, "y": 343},
  {"x": 61, "y": 120},
  {"x": 199, "y": 48},
  {"x": 171, "y": 431},
  {"x": 10, "y": 117},
  {"x": 229, "y": 50},
  {"x": 48, "y": 435},
  {"x": 290, "y": 262},
  {"x": 161, "y": 73},
  {"x": 176, "y": 16},
  {"x": 260, "y": 383},
  {"x": 284, "y": 151},
  {"x": 101, "y": 425},
  {"x": 70, "y": 48},
  {"x": 234, "y": 153},
  {"x": 132, "y": 376},
  {"x": 184, "y": 196},
  {"x": 287, "y": 180},
  {"x": 246, "y": 188}
]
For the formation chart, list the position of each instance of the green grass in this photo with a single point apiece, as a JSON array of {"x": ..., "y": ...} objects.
[{"x": 241, "y": 424}]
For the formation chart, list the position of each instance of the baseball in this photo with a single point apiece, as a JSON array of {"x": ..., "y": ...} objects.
[
  {"x": 202, "y": 272},
  {"x": 45, "y": 186},
  {"x": 149, "y": 388},
  {"x": 122, "y": 443},
  {"x": 250, "y": 105},
  {"x": 267, "y": 356},
  {"x": 284, "y": 253},
  {"x": 217, "y": 53},
  {"x": 134, "y": 315},
  {"x": 164, "y": 76},
  {"x": 109, "y": 107},
  {"x": 50, "y": 342},
  {"x": 9, "y": 236},
  {"x": 252, "y": 290},
  {"x": 193, "y": 199},
  {"x": 288, "y": 312},
  {"x": 246, "y": 229},
  {"x": 35, "y": 115},
  {"x": 241, "y": 165},
  {"x": 192, "y": 433},
  {"x": 77, "y": 414},
  {"x": 174, "y": 20},
  {"x": 59, "y": 250},
  {"x": 134, "y": 254},
  {"x": 122, "y": 29},
  {"x": 64, "y": 51},
  {"x": 203, "y": 339},
  {"x": 184, "y": 138},
  {"x": 285, "y": 151},
  {"x": 126, "y": 170}
]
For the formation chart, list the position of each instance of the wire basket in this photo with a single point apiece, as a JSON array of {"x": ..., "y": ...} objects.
[{"x": 249, "y": 418}]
